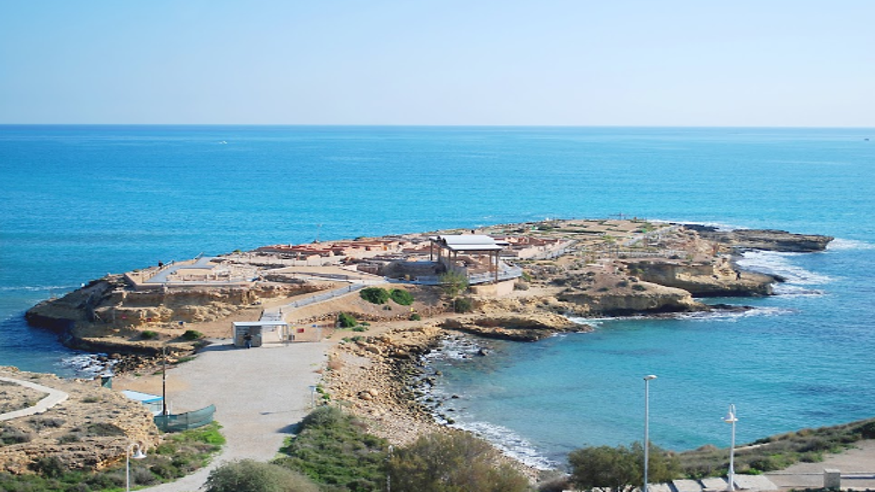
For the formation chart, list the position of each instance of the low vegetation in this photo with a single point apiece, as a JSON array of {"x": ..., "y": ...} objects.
[
  {"x": 620, "y": 469},
  {"x": 375, "y": 295},
  {"x": 450, "y": 462},
  {"x": 333, "y": 449},
  {"x": 776, "y": 452},
  {"x": 179, "y": 455},
  {"x": 254, "y": 476}
]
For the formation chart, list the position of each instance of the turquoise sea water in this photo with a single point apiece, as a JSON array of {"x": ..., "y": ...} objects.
[{"x": 79, "y": 201}]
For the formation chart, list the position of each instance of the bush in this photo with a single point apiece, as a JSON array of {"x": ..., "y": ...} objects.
[
  {"x": 620, "y": 469},
  {"x": 463, "y": 305},
  {"x": 192, "y": 335},
  {"x": 252, "y": 476},
  {"x": 401, "y": 297},
  {"x": 346, "y": 320},
  {"x": 415, "y": 317},
  {"x": 375, "y": 295},
  {"x": 333, "y": 449},
  {"x": 149, "y": 335},
  {"x": 456, "y": 461}
]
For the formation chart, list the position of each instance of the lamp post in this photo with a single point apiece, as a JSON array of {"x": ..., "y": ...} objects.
[
  {"x": 647, "y": 380},
  {"x": 137, "y": 456},
  {"x": 730, "y": 418}
]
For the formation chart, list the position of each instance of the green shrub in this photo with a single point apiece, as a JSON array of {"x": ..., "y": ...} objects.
[
  {"x": 415, "y": 317},
  {"x": 639, "y": 287},
  {"x": 252, "y": 476},
  {"x": 149, "y": 335},
  {"x": 375, "y": 295},
  {"x": 463, "y": 305},
  {"x": 346, "y": 320},
  {"x": 401, "y": 297},
  {"x": 360, "y": 328},
  {"x": 452, "y": 462},
  {"x": 333, "y": 449},
  {"x": 192, "y": 335}
]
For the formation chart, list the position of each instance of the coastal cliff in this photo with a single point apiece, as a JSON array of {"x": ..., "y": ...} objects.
[{"x": 660, "y": 268}]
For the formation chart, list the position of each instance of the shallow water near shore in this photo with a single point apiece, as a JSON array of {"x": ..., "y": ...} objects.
[{"x": 81, "y": 201}]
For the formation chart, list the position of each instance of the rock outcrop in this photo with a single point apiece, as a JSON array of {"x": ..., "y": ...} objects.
[
  {"x": 715, "y": 278},
  {"x": 89, "y": 431},
  {"x": 516, "y": 327},
  {"x": 764, "y": 239}
]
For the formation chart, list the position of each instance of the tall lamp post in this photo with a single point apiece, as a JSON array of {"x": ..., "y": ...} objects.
[
  {"x": 137, "y": 456},
  {"x": 647, "y": 380},
  {"x": 730, "y": 418}
]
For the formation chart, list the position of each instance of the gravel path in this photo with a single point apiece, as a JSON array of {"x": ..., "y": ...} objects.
[{"x": 259, "y": 393}]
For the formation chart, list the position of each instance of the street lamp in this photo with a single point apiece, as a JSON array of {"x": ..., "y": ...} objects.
[
  {"x": 647, "y": 380},
  {"x": 137, "y": 456},
  {"x": 730, "y": 418}
]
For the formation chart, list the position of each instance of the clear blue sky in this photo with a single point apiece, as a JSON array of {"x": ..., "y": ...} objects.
[{"x": 446, "y": 62}]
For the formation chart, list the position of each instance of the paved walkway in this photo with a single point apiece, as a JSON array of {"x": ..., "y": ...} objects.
[
  {"x": 259, "y": 393},
  {"x": 53, "y": 398}
]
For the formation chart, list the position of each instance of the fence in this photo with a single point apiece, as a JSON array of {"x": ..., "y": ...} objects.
[{"x": 185, "y": 421}]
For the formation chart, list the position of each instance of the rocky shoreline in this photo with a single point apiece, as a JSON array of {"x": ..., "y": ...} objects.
[{"x": 594, "y": 269}]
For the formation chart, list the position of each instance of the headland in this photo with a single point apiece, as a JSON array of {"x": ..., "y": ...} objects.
[{"x": 523, "y": 282}]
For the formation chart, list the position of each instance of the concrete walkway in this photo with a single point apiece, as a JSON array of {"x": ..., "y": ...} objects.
[
  {"x": 260, "y": 394},
  {"x": 53, "y": 398}
]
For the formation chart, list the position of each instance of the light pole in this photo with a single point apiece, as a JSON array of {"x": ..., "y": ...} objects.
[
  {"x": 137, "y": 456},
  {"x": 647, "y": 380},
  {"x": 730, "y": 418}
]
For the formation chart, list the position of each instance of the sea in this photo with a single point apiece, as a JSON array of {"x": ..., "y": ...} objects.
[{"x": 78, "y": 202}]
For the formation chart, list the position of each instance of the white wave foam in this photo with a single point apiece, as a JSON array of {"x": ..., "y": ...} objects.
[
  {"x": 510, "y": 443},
  {"x": 39, "y": 288},
  {"x": 88, "y": 365},
  {"x": 849, "y": 245},
  {"x": 455, "y": 348},
  {"x": 772, "y": 263},
  {"x": 732, "y": 316}
]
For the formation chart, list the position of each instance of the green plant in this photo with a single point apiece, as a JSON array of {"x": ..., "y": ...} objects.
[
  {"x": 253, "y": 476},
  {"x": 463, "y": 305},
  {"x": 346, "y": 320},
  {"x": 620, "y": 469},
  {"x": 639, "y": 287},
  {"x": 192, "y": 335},
  {"x": 360, "y": 328},
  {"x": 333, "y": 449},
  {"x": 415, "y": 317},
  {"x": 148, "y": 335},
  {"x": 375, "y": 295},
  {"x": 453, "y": 283},
  {"x": 401, "y": 297},
  {"x": 449, "y": 462}
]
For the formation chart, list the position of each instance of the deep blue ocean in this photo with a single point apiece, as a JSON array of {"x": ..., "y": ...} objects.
[{"x": 77, "y": 202}]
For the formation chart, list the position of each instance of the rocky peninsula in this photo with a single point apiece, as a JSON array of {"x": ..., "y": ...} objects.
[{"x": 545, "y": 273}]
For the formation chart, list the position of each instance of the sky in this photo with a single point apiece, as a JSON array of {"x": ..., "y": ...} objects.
[{"x": 798, "y": 63}]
